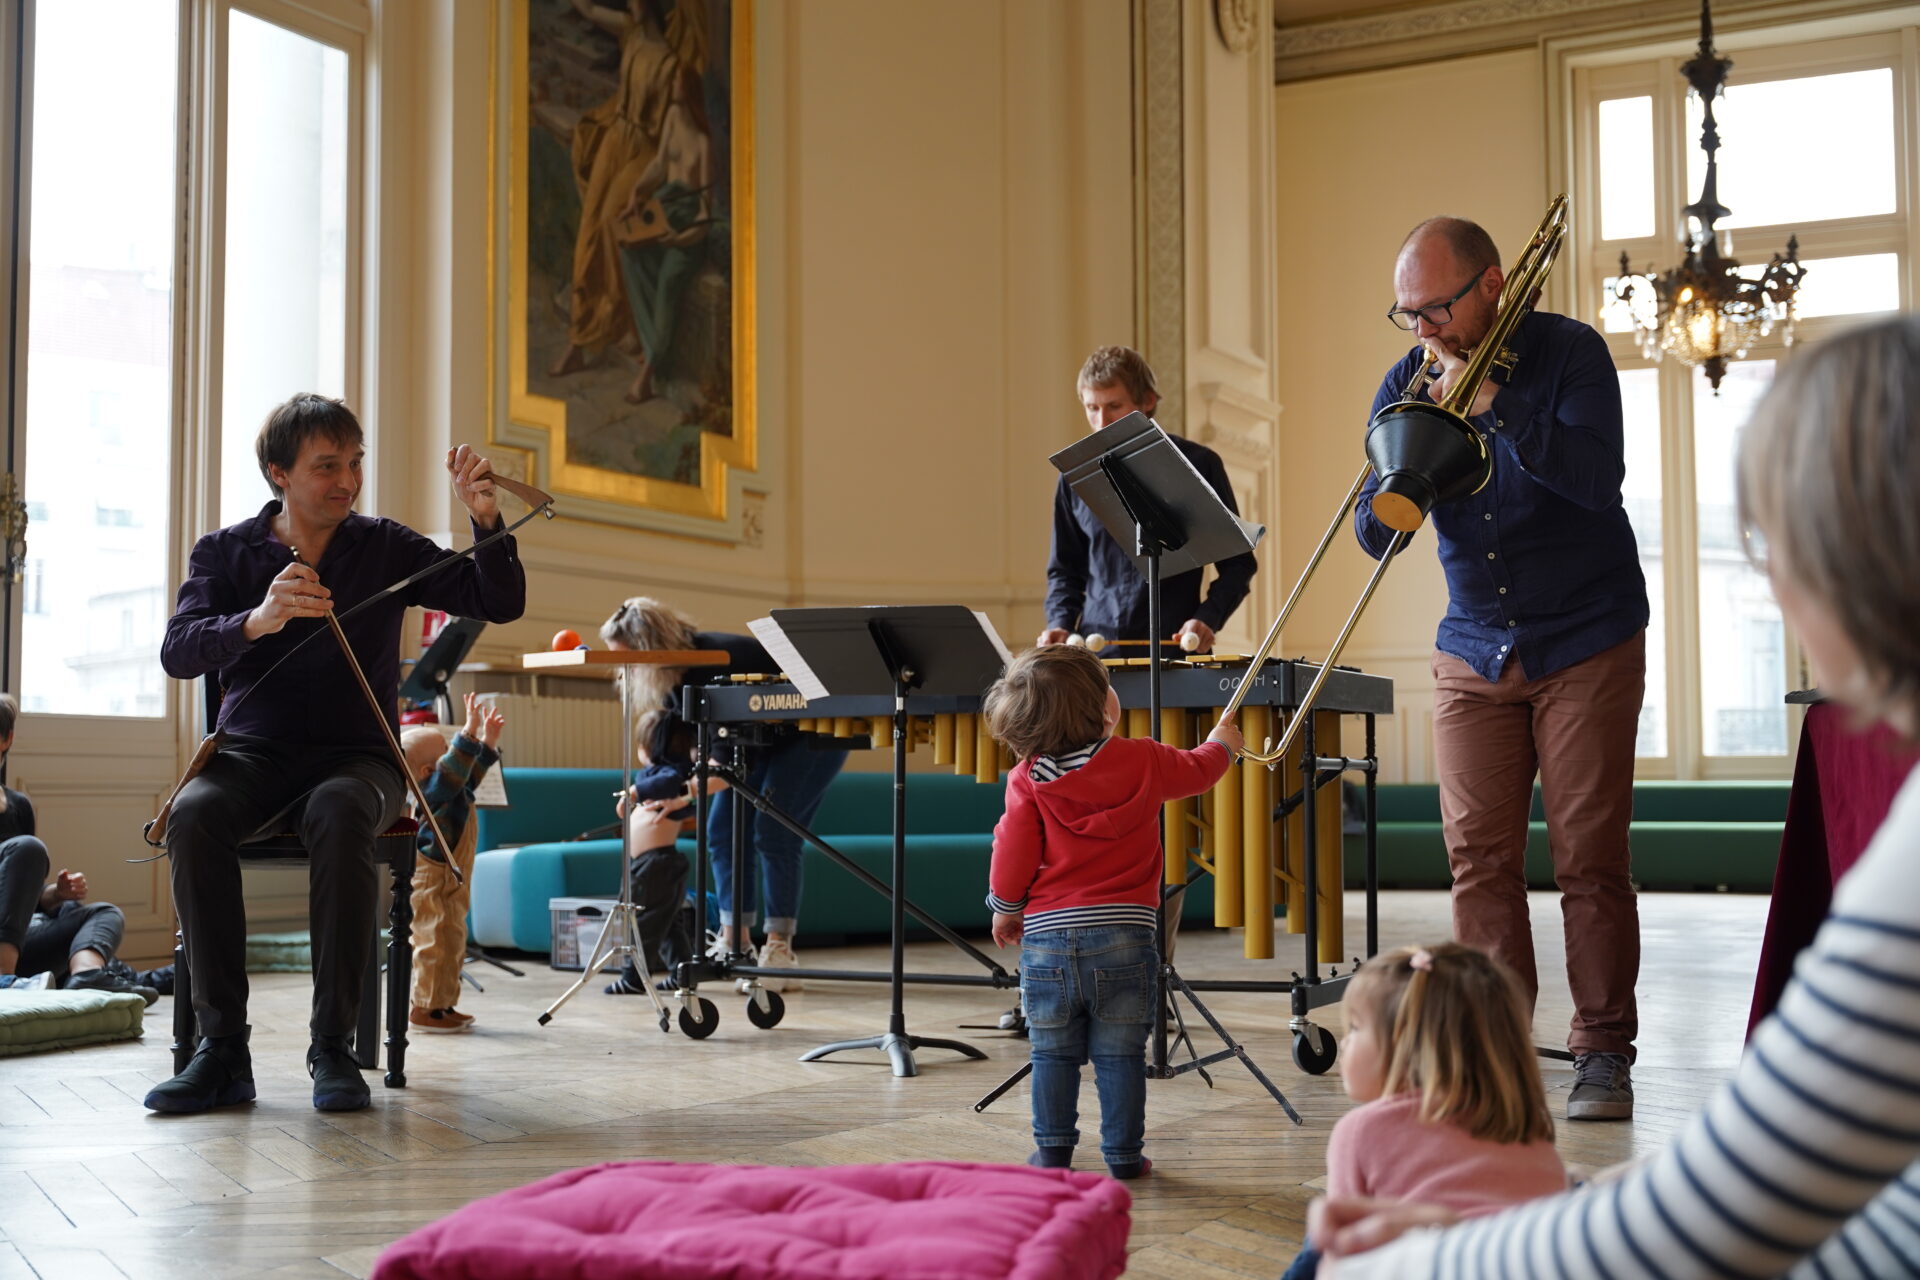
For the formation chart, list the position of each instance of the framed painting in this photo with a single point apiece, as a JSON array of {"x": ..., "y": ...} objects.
[{"x": 629, "y": 273}]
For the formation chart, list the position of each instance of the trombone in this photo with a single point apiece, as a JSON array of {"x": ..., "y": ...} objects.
[{"x": 1425, "y": 454}]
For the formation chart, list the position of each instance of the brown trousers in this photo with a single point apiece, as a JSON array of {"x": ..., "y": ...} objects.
[
  {"x": 440, "y": 923},
  {"x": 1576, "y": 729}
]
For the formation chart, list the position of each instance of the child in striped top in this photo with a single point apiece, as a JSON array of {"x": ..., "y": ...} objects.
[{"x": 1076, "y": 879}]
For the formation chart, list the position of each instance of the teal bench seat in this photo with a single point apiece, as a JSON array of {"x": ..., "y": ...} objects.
[{"x": 1685, "y": 836}]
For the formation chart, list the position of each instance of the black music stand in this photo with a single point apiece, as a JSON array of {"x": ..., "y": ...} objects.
[
  {"x": 427, "y": 682},
  {"x": 1148, "y": 495},
  {"x": 928, "y": 649}
]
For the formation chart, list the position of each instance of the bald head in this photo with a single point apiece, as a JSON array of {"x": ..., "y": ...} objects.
[
  {"x": 1449, "y": 272},
  {"x": 1472, "y": 248}
]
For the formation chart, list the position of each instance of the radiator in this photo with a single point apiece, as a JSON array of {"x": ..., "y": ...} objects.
[{"x": 547, "y": 731}]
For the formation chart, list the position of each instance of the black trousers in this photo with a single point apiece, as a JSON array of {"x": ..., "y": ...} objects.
[
  {"x": 47, "y": 941},
  {"x": 24, "y": 867},
  {"x": 660, "y": 892},
  {"x": 338, "y": 800}
]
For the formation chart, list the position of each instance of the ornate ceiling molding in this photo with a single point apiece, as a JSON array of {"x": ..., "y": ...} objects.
[{"x": 1451, "y": 29}]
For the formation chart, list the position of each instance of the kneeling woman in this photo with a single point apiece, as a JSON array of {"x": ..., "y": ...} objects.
[{"x": 791, "y": 772}]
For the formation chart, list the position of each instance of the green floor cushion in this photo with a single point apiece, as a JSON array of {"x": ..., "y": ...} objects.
[
  {"x": 280, "y": 952},
  {"x": 36, "y": 1021}
]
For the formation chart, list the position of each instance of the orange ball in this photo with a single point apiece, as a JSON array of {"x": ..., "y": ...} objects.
[{"x": 567, "y": 638}]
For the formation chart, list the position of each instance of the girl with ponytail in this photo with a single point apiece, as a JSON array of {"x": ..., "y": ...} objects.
[{"x": 1452, "y": 1110}]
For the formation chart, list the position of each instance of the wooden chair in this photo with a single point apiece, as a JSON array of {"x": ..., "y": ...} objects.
[{"x": 277, "y": 846}]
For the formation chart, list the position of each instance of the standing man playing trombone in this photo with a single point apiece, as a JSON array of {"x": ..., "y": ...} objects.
[{"x": 1540, "y": 662}]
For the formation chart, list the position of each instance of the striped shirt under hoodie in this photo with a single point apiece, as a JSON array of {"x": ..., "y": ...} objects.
[
  {"x": 1805, "y": 1164},
  {"x": 1079, "y": 844}
]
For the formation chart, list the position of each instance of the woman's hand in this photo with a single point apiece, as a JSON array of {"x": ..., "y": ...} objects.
[{"x": 1344, "y": 1225}]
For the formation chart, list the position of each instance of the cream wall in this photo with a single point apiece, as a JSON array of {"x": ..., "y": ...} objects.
[
  {"x": 945, "y": 223},
  {"x": 1362, "y": 158}
]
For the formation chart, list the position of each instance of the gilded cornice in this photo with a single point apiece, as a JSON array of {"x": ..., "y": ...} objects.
[{"x": 1460, "y": 28}]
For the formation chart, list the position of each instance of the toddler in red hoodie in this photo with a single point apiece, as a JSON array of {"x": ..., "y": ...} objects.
[{"x": 1076, "y": 881}]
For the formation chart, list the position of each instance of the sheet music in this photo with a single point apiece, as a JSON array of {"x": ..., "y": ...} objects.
[
  {"x": 492, "y": 791},
  {"x": 781, "y": 650},
  {"x": 986, "y": 625}
]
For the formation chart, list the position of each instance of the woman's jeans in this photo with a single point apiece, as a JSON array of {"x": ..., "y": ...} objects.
[
  {"x": 794, "y": 776},
  {"x": 1089, "y": 996}
]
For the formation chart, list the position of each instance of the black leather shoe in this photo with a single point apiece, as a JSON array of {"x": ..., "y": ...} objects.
[
  {"x": 337, "y": 1083},
  {"x": 110, "y": 979},
  {"x": 220, "y": 1075}
]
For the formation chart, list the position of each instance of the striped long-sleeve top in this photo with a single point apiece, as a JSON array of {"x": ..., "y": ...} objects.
[{"x": 1806, "y": 1163}]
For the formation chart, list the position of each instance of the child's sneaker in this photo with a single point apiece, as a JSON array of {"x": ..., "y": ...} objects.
[
  {"x": 442, "y": 1022},
  {"x": 1138, "y": 1169},
  {"x": 14, "y": 982},
  {"x": 777, "y": 953}
]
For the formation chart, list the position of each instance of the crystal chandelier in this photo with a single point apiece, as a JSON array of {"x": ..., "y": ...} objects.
[{"x": 1706, "y": 311}]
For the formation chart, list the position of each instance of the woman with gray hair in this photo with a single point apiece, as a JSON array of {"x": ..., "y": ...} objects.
[
  {"x": 1807, "y": 1162},
  {"x": 793, "y": 771}
]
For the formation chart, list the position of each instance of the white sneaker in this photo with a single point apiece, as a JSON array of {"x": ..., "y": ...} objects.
[{"x": 778, "y": 954}]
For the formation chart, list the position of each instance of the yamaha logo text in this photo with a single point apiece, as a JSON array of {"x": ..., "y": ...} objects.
[{"x": 776, "y": 702}]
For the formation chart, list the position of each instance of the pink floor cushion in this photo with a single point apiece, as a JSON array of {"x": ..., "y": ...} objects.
[{"x": 923, "y": 1221}]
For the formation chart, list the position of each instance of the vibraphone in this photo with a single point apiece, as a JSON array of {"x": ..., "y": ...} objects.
[{"x": 1231, "y": 833}]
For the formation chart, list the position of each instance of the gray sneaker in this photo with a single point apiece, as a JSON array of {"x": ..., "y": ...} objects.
[{"x": 1602, "y": 1087}]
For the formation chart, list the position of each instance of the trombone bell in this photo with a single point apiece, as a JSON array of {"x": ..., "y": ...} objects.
[{"x": 1424, "y": 456}]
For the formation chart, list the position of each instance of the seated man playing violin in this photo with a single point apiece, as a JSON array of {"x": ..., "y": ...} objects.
[{"x": 307, "y": 743}]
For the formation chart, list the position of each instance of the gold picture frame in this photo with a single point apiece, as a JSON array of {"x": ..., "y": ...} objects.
[{"x": 550, "y": 438}]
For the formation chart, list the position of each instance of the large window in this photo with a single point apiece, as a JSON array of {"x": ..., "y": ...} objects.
[
  {"x": 285, "y": 301},
  {"x": 260, "y": 224},
  {"x": 99, "y": 424},
  {"x": 1812, "y": 145}
]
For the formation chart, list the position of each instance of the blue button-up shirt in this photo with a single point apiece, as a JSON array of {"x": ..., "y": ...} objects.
[
  {"x": 314, "y": 699},
  {"x": 1541, "y": 564},
  {"x": 1093, "y": 585}
]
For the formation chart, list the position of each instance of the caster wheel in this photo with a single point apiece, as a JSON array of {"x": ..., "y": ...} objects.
[
  {"x": 768, "y": 1018},
  {"x": 699, "y": 1019},
  {"x": 1314, "y": 1064}
]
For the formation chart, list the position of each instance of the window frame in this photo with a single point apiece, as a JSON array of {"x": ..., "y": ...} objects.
[{"x": 1771, "y": 44}]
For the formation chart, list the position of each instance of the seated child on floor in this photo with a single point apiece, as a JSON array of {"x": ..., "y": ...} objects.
[
  {"x": 1452, "y": 1111},
  {"x": 447, "y": 775},
  {"x": 656, "y": 811}
]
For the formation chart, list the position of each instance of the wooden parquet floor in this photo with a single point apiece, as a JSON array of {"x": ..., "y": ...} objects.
[{"x": 92, "y": 1185}]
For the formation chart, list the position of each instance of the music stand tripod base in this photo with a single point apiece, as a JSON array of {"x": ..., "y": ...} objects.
[
  {"x": 624, "y": 918},
  {"x": 934, "y": 649}
]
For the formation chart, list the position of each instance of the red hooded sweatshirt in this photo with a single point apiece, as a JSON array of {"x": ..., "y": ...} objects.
[{"x": 1084, "y": 848}]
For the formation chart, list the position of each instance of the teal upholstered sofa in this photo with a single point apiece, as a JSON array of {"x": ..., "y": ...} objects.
[
  {"x": 1685, "y": 836},
  {"x": 950, "y": 820}
]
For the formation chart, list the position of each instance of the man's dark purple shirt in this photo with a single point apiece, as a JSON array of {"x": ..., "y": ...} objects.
[{"x": 314, "y": 699}]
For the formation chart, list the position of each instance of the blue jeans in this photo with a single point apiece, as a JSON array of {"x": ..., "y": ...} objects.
[
  {"x": 1089, "y": 996},
  {"x": 794, "y": 776}
]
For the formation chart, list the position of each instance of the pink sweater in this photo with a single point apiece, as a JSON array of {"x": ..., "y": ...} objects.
[{"x": 1381, "y": 1148}]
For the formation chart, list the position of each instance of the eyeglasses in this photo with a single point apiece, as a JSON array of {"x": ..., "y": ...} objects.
[{"x": 1436, "y": 315}]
